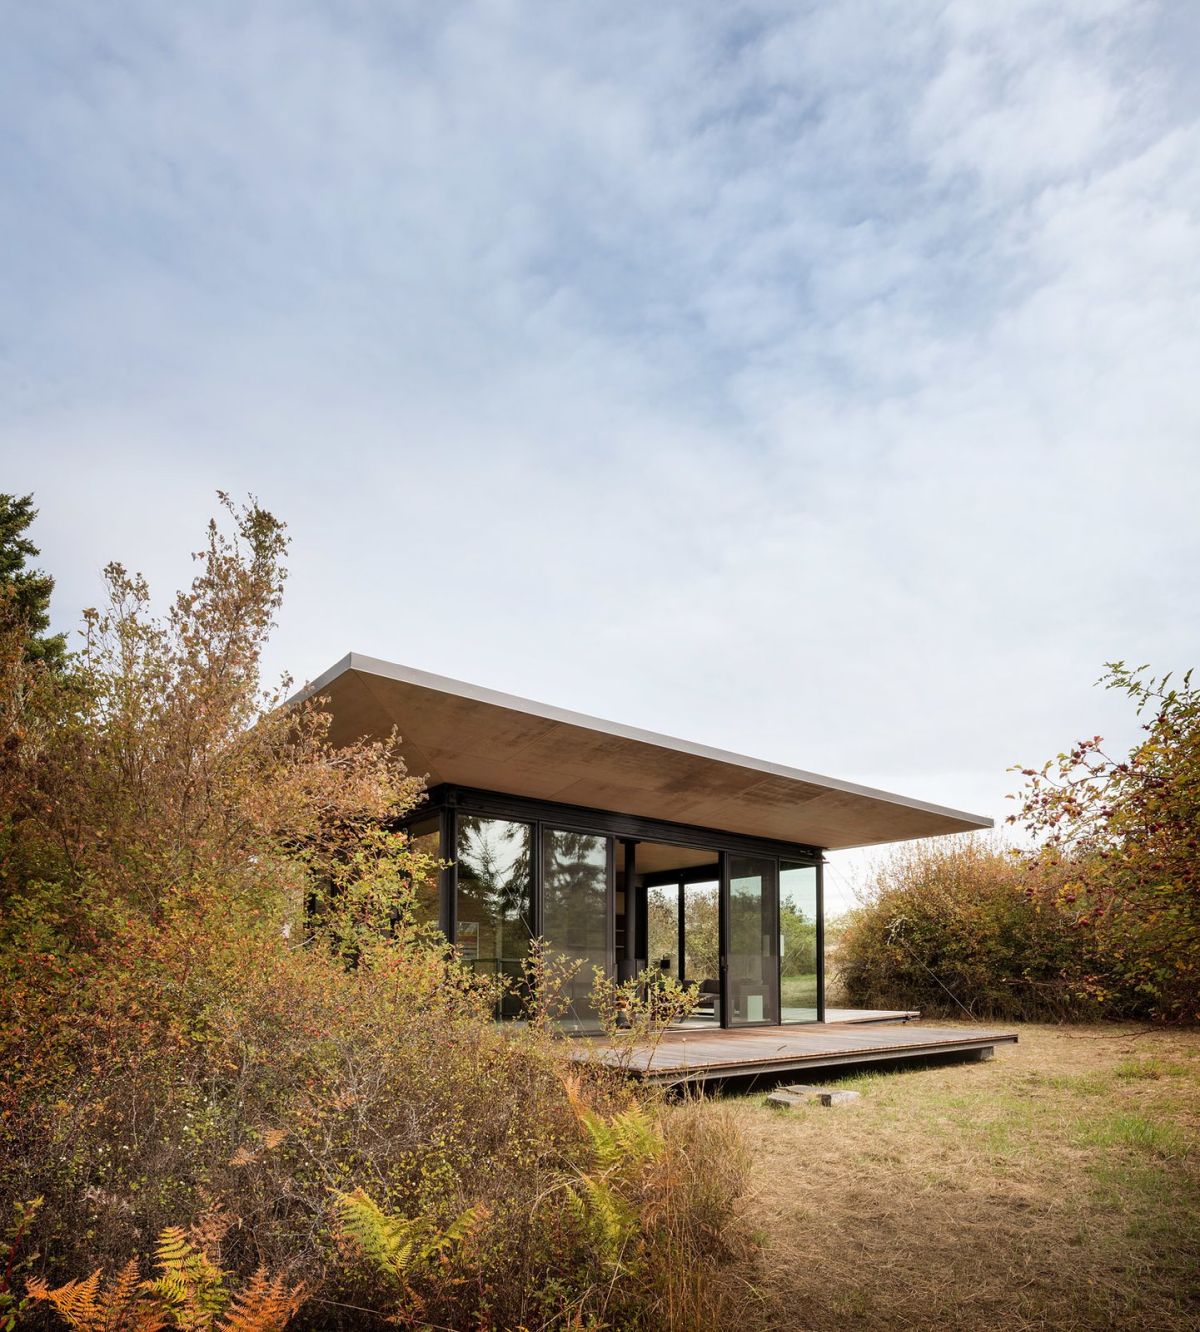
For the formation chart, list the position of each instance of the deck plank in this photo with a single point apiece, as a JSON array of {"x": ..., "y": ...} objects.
[{"x": 696, "y": 1056}]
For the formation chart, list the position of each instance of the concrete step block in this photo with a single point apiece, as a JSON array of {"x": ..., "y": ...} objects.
[
  {"x": 787, "y": 1100},
  {"x": 797, "y": 1094},
  {"x": 839, "y": 1097}
]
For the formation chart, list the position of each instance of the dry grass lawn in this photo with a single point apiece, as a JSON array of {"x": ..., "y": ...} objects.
[{"x": 1055, "y": 1187}]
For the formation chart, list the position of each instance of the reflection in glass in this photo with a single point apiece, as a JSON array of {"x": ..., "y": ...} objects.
[
  {"x": 575, "y": 912},
  {"x": 495, "y": 898},
  {"x": 425, "y": 837},
  {"x": 798, "y": 943},
  {"x": 753, "y": 965}
]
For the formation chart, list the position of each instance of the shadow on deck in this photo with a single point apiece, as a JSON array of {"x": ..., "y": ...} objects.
[{"x": 701, "y": 1056}]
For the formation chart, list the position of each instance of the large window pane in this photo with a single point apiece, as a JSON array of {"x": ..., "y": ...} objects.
[
  {"x": 798, "y": 943},
  {"x": 753, "y": 960},
  {"x": 425, "y": 837},
  {"x": 575, "y": 912},
  {"x": 495, "y": 898}
]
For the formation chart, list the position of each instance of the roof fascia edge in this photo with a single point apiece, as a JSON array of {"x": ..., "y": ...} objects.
[
  {"x": 357, "y": 661},
  {"x": 326, "y": 677}
]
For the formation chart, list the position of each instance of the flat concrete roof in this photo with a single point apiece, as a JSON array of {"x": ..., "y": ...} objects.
[{"x": 466, "y": 735}]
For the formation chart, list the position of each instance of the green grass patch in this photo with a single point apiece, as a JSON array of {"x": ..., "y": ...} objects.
[
  {"x": 1151, "y": 1069},
  {"x": 1131, "y": 1186},
  {"x": 1136, "y": 1132},
  {"x": 1081, "y": 1084}
]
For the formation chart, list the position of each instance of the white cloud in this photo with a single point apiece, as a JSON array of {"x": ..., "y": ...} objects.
[{"x": 819, "y": 383}]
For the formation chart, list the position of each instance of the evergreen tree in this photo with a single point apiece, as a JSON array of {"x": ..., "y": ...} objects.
[{"x": 25, "y": 593}]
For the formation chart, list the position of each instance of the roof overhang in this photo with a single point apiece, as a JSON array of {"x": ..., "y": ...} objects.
[{"x": 465, "y": 735}]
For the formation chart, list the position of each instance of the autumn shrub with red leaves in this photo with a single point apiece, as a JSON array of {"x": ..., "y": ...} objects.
[
  {"x": 1100, "y": 919},
  {"x": 182, "y": 1045},
  {"x": 1121, "y": 833}
]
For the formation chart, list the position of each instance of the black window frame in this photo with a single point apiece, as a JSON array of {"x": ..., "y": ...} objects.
[{"x": 448, "y": 801}]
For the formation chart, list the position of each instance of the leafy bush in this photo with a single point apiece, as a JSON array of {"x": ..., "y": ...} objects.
[
  {"x": 186, "y": 1051},
  {"x": 1101, "y": 919},
  {"x": 633, "y": 1234},
  {"x": 235, "y": 1078},
  {"x": 1124, "y": 832},
  {"x": 954, "y": 929}
]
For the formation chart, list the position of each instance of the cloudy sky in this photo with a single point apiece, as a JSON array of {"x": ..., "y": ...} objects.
[{"x": 820, "y": 381}]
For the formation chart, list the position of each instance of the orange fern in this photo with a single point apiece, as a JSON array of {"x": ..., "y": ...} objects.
[
  {"x": 266, "y": 1305},
  {"x": 87, "y": 1306},
  {"x": 189, "y": 1295}
]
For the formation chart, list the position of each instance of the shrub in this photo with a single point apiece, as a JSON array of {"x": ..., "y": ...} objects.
[
  {"x": 1124, "y": 831},
  {"x": 226, "y": 1074},
  {"x": 634, "y": 1234},
  {"x": 185, "y": 1051},
  {"x": 1102, "y": 918},
  {"x": 958, "y": 928}
]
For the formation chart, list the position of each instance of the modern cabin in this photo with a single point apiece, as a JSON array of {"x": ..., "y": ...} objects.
[{"x": 622, "y": 849}]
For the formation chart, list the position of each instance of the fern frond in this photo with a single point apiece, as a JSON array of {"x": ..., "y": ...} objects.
[
  {"x": 188, "y": 1295},
  {"x": 571, "y": 1086},
  {"x": 629, "y": 1135},
  {"x": 171, "y": 1288},
  {"x": 266, "y": 1305},
  {"x": 385, "y": 1240},
  {"x": 85, "y": 1306},
  {"x": 459, "y": 1230},
  {"x": 123, "y": 1296},
  {"x": 173, "y": 1248},
  {"x": 578, "y": 1209},
  {"x": 75, "y": 1302},
  {"x": 397, "y": 1245},
  {"x": 189, "y": 1284},
  {"x": 209, "y": 1229},
  {"x": 36, "y": 1288},
  {"x": 637, "y": 1135},
  {"x": 607, "y": 1218},
  {"x": 600, "y": 1201}
]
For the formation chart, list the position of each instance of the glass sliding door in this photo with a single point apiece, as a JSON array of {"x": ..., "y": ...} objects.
[
  {"x": 575, "y": 914},
  {"x": 494, "y": 901},
  {"x": 752, "y": 973},
  {"x": 798, "y": 970}
]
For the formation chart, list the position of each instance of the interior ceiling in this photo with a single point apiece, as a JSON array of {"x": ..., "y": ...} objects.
[
  {"x": 468, "y": 736},
  {"x": 653, "y": 856}
]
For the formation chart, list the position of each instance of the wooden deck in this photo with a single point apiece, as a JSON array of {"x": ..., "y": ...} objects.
[{"x": 698, "y": 1056}]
